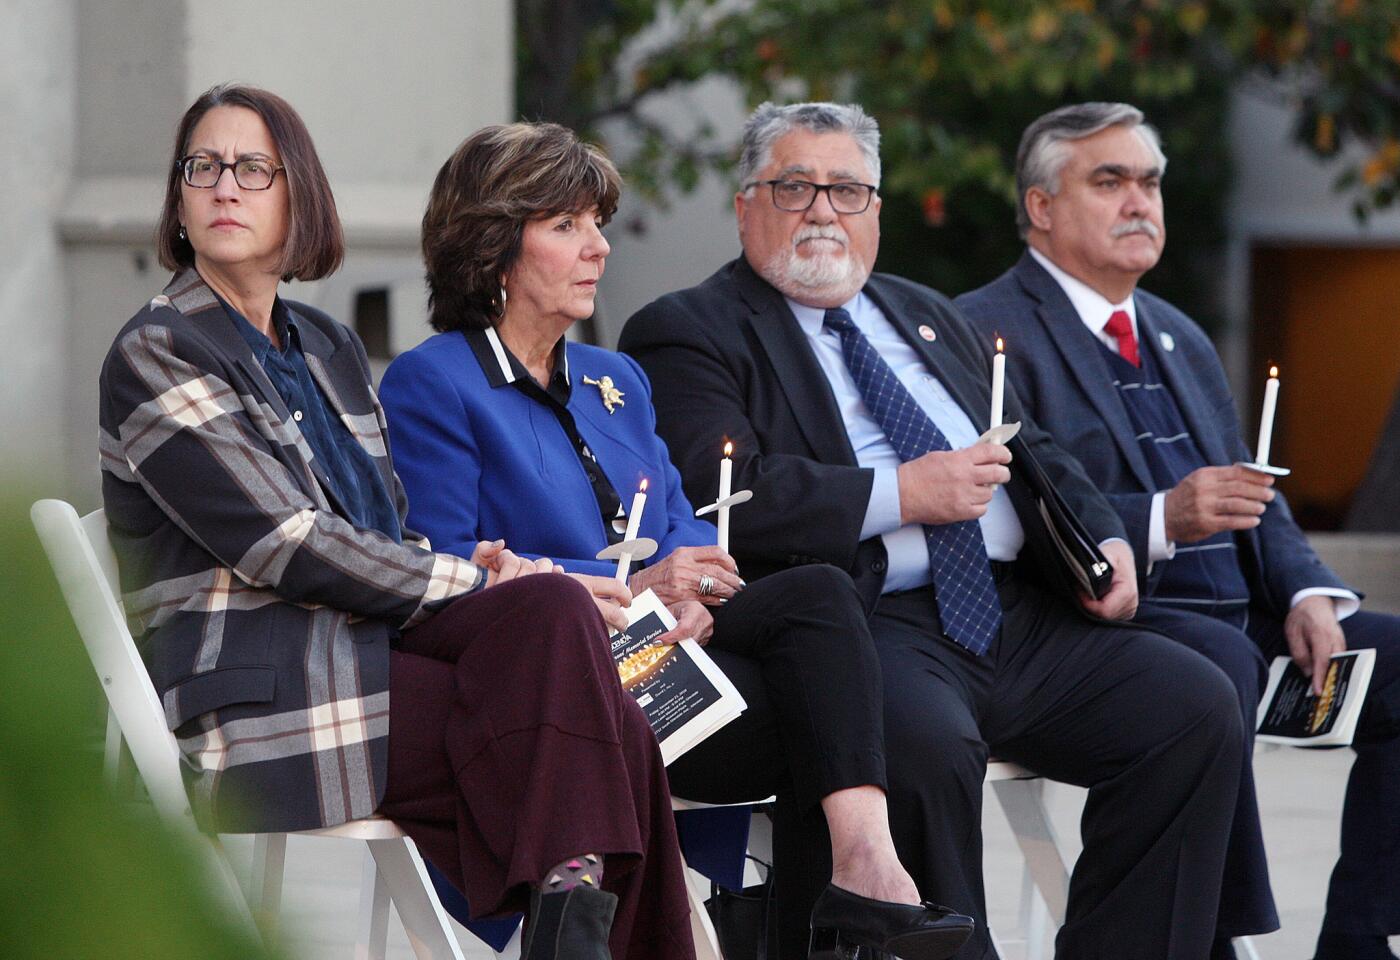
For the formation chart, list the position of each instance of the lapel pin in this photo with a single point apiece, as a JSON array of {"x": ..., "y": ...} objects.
[
  {"x": 608, "y": 392},
  {"x": 1167, "y": 340},
  {"x": 927, "y": 333}
]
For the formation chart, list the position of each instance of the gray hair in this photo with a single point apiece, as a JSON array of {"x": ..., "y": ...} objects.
[
  {"x": 770, "y": 123},
  {"x": 1043, "y": 153}
]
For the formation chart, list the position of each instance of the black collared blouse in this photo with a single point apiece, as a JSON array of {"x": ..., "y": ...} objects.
[{"x": 344, "y": 468}]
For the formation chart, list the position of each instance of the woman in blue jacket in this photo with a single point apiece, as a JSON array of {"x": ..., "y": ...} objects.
[{"x": 503, "y": 428}]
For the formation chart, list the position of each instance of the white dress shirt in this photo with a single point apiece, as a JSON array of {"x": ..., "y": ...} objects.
[
  {"x": 1094, "y": 309},
  {"x": 905, "y": 544}
]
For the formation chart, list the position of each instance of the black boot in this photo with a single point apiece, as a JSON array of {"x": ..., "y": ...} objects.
[{"x": 569, "y": 925}]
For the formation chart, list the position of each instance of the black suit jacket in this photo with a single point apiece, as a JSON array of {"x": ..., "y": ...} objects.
[
  {"x": 727, "y": 360},
  {"x": 1061, "y": 375}
]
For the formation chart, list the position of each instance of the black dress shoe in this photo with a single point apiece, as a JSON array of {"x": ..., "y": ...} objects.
[{"x": 844, "y": 922}]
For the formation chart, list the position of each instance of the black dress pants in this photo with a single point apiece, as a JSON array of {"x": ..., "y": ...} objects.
[
  {"x": 1150, "y": 728},
  {"x": 1246, "y": 899},
  {"x": 1363, "y": 898},
  {"x": 797, "y": 646}
]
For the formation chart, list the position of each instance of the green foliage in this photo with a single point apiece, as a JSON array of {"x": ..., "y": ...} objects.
[
  {"x": 953, "y": 82},
  {"x": 81, "y": 874}
]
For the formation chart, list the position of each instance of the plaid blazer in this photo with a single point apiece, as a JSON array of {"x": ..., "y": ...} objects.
[{"x": 265, "y": 618}]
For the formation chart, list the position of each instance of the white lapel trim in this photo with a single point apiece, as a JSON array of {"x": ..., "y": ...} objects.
[{"x": 498, "y": 348}]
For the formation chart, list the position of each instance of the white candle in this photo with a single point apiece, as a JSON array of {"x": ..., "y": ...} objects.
[
  {"x": 1266, "y": 419},
  {"x": 998, "y": 383},
  {"x": 634, "y": 524},
  {"x": 726, "y": 480}
]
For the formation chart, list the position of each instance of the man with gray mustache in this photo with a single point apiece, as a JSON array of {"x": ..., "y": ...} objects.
[
  {"x": 855, "y": 401},
  {"x": 1134, "y": 389}
]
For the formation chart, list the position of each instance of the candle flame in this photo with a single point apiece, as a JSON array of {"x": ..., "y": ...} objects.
[
  {"x": 644, "y": 485},
  {"x": 1001, "y": 347},
  {"x": 728, "y": 448},
  {"x": 1273, "y": 372}
]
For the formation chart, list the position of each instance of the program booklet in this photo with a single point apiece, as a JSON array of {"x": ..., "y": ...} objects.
[
  {"x": 684, "y": 695},
  {"x": 1290, "y": 714}
]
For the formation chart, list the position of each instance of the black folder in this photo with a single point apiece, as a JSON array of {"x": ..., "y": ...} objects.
[{"x": 1082, "y": 558}]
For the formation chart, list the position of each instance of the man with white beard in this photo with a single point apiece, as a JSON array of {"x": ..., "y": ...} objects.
[{"x": 854, "y": 402}]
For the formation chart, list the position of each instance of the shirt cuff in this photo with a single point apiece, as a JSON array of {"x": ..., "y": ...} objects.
[
  {"x": 882, "y": 512},
  {"x": 1345, "y": 602},
  {"x": 1158, "y": 546}
]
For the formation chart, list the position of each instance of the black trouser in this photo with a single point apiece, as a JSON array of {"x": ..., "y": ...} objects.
[
  {"x": 1152, "y": 729},
  {"x": 798, "y": 647},
  {"x": 1246, "y": 900},
  {"x": 1364, "y": 896}
]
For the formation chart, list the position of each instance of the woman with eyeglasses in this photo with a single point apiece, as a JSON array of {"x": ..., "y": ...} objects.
[{"x": 316, "y": 660}]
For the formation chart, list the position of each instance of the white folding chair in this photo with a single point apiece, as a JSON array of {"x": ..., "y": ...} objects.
[
  {"x": 82, "y": 559},
  {"x": 1045, "y": 880}
]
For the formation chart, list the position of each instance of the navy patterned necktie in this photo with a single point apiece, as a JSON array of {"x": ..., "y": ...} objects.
[{"x": 967, "y": 595}]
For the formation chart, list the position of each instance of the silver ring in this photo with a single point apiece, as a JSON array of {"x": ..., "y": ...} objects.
[{"x": 707, "y": 585}]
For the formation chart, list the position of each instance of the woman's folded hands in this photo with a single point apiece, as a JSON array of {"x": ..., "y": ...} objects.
[{"x": 610, "y": 597}]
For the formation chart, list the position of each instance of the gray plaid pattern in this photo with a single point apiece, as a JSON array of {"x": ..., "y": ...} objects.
[
  {"x": 962, "y": 576},
  {"x": 265, "y": 617}
]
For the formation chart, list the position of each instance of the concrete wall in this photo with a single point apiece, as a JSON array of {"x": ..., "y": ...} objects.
[
  {"x": 656, "y": 250},
  {"x": 38, "y": 118}
]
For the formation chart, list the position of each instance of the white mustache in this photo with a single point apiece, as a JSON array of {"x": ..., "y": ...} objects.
[
  {"x": 1135, "y": 225},
  {"x": 822, "y": 232}
]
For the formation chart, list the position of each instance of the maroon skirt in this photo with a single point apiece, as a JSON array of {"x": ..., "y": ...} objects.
[{"x": 513, "y": 747}]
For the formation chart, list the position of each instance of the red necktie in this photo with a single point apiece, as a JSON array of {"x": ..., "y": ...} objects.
[{"x": 1121, "y": 328}]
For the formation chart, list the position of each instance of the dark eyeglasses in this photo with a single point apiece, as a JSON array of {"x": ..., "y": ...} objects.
[
  {"x": 250, "y": 173},
  {"x": 796, "y": 196}
]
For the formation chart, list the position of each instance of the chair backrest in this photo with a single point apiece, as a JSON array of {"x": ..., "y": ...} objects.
[{"x": 86, "y": 567}]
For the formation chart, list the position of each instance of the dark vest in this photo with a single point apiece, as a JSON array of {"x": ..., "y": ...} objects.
[{"x": 1205, "y": 576}]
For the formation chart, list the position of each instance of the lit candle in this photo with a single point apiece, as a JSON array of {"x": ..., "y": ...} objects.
[
  {"x": 726, "y": 480},
  {"x": 634, "y": 523},
  {"x": 998, "y": 383},
  {"x": 1266, "y": 419}
]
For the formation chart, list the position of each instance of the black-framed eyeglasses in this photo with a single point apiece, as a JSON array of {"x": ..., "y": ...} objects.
[
  {"x": 250, "y": 173},
  {"x": 796, "y": 196}
]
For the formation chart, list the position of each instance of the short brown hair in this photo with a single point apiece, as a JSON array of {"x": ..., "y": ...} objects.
[
  {"x": 315, "y": 244},
  {"x": 499, "y": 179}
]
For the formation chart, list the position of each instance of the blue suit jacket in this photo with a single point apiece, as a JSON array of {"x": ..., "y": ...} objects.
[
  {"x": 1062, "y": 378},
  {"x": 481, "y": 460}
]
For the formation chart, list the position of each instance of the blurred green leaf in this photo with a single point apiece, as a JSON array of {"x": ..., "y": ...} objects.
[{"x": 82, "y": 874}]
